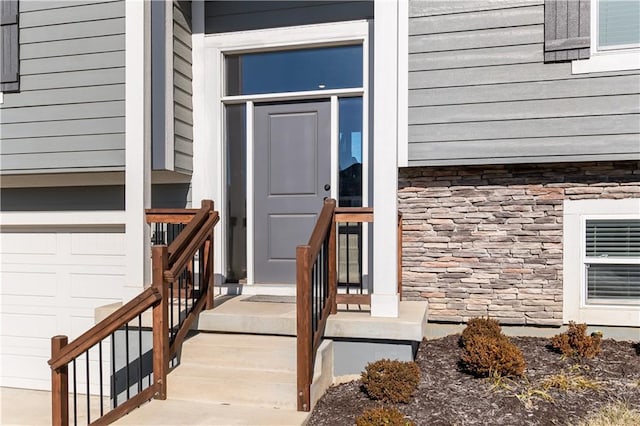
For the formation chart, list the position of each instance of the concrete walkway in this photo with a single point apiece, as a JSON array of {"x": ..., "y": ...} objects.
[{"x": 24, "y": 407}]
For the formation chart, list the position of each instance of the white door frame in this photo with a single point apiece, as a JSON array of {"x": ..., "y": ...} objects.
[{"x": 210, "y": 155}]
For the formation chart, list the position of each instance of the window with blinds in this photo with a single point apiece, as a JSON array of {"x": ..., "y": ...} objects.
[
  {"x": 612, "y": 261},
  {"x": 618, "y": 24}
]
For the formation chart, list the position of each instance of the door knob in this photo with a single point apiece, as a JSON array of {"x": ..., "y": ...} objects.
[{"x": 327, "y": 187}]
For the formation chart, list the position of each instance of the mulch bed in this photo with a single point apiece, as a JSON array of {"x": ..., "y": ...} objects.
[{"x": 447, "y": 395}]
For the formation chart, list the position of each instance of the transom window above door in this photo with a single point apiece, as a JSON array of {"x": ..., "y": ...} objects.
[{"x": 296, "y": 70}]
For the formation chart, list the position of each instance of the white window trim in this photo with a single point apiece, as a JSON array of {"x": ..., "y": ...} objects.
[
  {"x": 575, "y": 306},
  {"x": 617, "y": 58}
]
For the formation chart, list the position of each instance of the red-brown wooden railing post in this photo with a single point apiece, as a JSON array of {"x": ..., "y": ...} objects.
[
  {"x": 333, "y": 265},
  {"x": 59, "y": 385},
  {"x": 160, "y": 322},
  {"x": 209, "y": 204},
  {"x": 400, "y": 255},
  {"x": 304, "y": 340}
]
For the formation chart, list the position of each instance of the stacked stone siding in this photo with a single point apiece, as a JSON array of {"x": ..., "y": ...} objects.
[{"x": 487, "y": 240}]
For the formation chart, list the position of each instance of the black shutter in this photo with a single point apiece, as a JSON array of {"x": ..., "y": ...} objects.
[
  {"x": 9, "y": 48},
  {"x": 566, "y": 30}
]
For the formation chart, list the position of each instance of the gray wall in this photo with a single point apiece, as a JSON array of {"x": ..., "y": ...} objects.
[
  {"x": 182, "y": 87},
  {"x": 480, "y": 93},
  {"x": 227, "y": 16},
  {"x": 69, "y": 113}
]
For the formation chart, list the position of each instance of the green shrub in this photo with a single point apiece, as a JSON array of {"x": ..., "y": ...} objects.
[
  {"x": 481, "y": 326},
  {"x": 492, "y": 356},
  {"x": 391, "y": 381},
  {"x": 575, "y": 342},
  {"x": 383, "y": 417}
]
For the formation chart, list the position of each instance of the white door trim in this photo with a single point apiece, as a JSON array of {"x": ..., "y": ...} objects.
[{"x": 209, "y": 152}]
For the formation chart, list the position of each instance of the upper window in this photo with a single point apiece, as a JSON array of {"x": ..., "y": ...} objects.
[
  {"x": 324, "y": 68},
  {"x": 612, "y": 261},
  {"x": 615, "y": 37},
  {"x": 618, "y": 24}
]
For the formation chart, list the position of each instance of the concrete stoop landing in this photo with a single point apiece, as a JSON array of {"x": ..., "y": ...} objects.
[
  {"x": 239, "y": 315},
  {"x": 229, "y": 379}
]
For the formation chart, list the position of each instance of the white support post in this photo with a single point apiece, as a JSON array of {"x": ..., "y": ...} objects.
[
  {"x": 385, "y": 299},
  {"x": 137, "y": 146}
]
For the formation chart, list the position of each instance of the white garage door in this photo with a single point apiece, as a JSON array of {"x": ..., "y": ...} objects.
[{"x": 51, "y": 281}]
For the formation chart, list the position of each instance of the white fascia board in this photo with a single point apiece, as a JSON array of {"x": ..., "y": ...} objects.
[{"x": 137, "y": 145}]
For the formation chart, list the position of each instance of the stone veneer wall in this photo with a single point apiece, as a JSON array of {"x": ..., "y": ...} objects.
[{"x": 487, "y": 240}]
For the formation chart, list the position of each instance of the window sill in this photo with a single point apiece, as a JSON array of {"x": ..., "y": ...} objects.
[{"x": 607, "y": 61}]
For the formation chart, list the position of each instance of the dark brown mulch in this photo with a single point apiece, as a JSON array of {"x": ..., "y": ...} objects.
[{"x": 447, "y": 395}]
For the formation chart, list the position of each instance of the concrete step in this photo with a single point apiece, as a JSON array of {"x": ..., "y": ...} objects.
[
  {"x": 240, "y": 316},
  {"x": 178, "y": 412},
  {"x": 233, "y": 385},
  {"x": 273, "y": 353}
]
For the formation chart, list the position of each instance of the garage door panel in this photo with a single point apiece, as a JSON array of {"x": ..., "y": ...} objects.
[
  {"x": 38, "y": 261},
  {"x": 13, "y": 283},
  {"x": 36, "y": 346},
  {"x": 94, "y": 285},
  {"x": 28, "y": 243},
  {"x": 25, "y": 371},
  {"x": 28, "y": 325},
  {"x": 85, "y": 244}
]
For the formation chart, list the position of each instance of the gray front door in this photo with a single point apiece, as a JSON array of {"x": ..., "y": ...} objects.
[{"x": 292, "y": 174}]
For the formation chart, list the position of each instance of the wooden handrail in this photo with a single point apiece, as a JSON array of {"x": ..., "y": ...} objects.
[
  {"x": 178, "y": 263},
  {"x": 106, "y": 327},
  {"x": 324, "y": 223},
  {"x": 177, "y": 246},
  {"x": 168, "y": 215}
]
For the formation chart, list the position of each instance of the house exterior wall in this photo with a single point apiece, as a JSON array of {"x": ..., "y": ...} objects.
[
  {"x": 182, "y": 87},
  {"x": 69, "y": 113},
  {"x": 488, "y": 240},
  {"x": 480, "y": 92}
]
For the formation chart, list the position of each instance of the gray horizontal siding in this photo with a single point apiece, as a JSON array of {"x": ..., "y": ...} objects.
[
  {"x": 480, "y": 93},
  {"x": 182, "y": 87},
  {"x": 529, "y": 90},
  {"x": 227, "y": 16},
  {"x": 69, "y": 114}
]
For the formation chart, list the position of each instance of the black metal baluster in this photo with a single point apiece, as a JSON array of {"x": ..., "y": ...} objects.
[
  {"x": 180, "y": 285},
  {"x": 75, "y": 395},
  {"x": 347, "y": 233},
  {"x": 139, "y": 353},
  {"x": 114, "y": 388},
  {"x": 126, "y": 351},
  {"x": 171, "y": 313},
  {"x": 88, "y": 390},
  {"x": 100, "y": 371}
]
